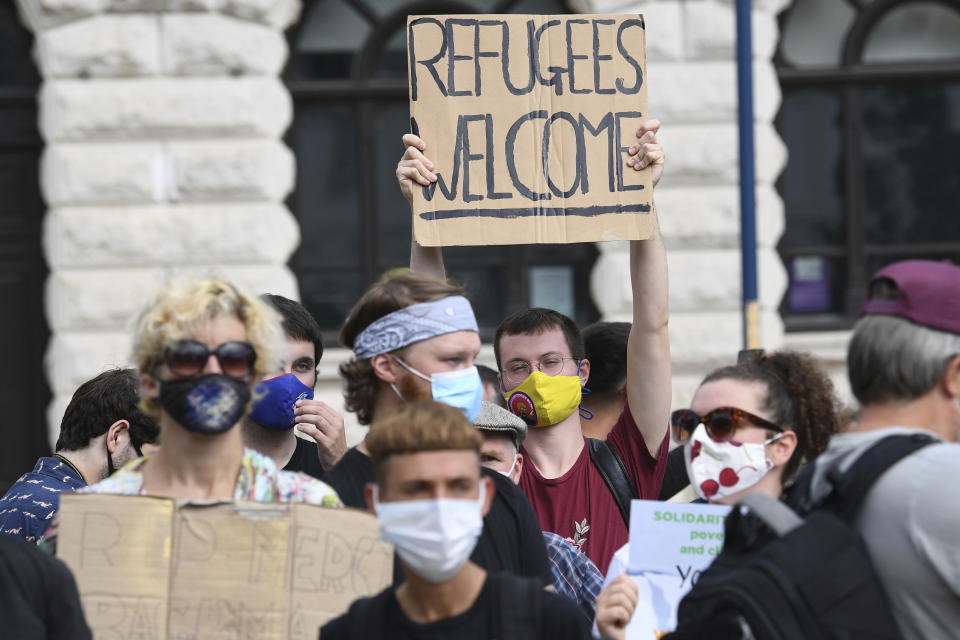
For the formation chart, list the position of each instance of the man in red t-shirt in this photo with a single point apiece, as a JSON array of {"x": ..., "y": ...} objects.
[{"x": 542, "y": 372}]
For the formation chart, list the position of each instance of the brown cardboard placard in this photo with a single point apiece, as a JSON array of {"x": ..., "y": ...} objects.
[
  {"x": 527, "y": 119},
  {"x": 159, "y": 568}
]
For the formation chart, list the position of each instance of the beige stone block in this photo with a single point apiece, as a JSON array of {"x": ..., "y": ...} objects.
[
  {"x": 74, "y": 357},
  {"x": 163, "y": 108},
  {"x": 692, "y": 92},
  {"x": 705, "y": 338},
  {"x": 257, "y": 278},
  {"x": 279, "y": 14},
  {"x": 43, "y": 14},
  {"x": 98, "y": 299},
  {"x": 94, "y": 237},
  {"x": 231, "y": 171},
  {"x": 704, "y": 279},
  {"x": 707, "y": 154},
  {"x": 216, "y": 45},
  {"x": 101, "y": 46},
  {"x": 83, "y": 174}
]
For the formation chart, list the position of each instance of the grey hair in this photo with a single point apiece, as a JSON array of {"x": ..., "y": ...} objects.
[{"x": 891, "y": 359}]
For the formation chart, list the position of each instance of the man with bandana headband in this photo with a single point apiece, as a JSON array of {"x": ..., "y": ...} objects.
[
  {"x": 543, "y": 371},
  {"x": 416, "y": 339},
  {"x": 201, "y": 347}
]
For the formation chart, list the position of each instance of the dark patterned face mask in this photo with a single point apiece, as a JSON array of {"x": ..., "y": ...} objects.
[{"x": 209, "y": 404}]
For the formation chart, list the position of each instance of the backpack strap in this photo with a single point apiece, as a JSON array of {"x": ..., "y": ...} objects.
[
  {"x": 614, "y": 474},
  {"x": 774, "y": 513},
  {"x": 851, "y": 487},
  {"x": 519, "y": 601}
]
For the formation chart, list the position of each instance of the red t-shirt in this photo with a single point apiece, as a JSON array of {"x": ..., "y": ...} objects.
[{"x": 579, "y": 506}]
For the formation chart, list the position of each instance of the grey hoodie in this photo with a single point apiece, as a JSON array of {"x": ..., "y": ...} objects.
[{"x": 911, "y": 524}]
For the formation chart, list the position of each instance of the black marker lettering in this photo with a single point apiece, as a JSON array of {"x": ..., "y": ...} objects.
[
  {"x": 521, "y": 188},
  {"x": 571, "y": 57},
  {"x": 463, "y": 140},
  {"x": 505, "y": 60},
  {"x": 477, "y": 53},
  {"x": 605, "y": 123},
  {"x": 545, "y": 154},
  {"x": 453, "y": 57},
  {"x": 492, "y": 193},
  {"x": 626, "y": 24},
  {"x": 429, "y": 64},
  {"x": 598, "y": 57},
  {"x": 621, "y": 150}
]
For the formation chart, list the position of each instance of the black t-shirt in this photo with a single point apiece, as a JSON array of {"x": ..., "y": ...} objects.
[
  {"x": 381, "y": 617},
  {"x": 38, "y": 596},
  {"x": 305, "y": 459},
  {"x": 511, "y": 540}
]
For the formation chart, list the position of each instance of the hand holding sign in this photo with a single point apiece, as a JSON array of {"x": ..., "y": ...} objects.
[
  {"x": 615, "y": 606},
  {"x": 647, "y": 152}
]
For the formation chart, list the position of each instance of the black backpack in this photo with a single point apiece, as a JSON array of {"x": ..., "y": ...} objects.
[
  {"x": 783, "y": 577},
  {"x": 614, "y": 474}
]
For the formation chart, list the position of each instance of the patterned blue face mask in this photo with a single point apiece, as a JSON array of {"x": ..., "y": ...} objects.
[
  {"x": 461, "y": 389},
  {"x": 209, "y": 404},
  {"x": 275, "y": 399}
]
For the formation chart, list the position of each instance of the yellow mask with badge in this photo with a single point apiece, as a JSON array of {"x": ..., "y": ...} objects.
[{"x": 543, "y": 400}]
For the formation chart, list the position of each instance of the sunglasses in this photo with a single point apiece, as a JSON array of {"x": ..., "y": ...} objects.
[
  {"x": 187, "y": 358},
  {"x": 721, "y": 423}
]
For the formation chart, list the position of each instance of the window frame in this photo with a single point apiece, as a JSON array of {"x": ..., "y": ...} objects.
[{"x": 850, "y": 77}]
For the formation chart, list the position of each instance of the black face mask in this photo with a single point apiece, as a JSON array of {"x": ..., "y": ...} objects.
[{"x": 209, "y": 404}]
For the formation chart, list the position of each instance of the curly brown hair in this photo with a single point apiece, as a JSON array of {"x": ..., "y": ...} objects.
[
  {"x": 800, "y": 397},
  {"x": 391, "y": 293}
]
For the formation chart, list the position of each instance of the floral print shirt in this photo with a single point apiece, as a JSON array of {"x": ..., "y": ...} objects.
[{"x": 259, "y": 481}]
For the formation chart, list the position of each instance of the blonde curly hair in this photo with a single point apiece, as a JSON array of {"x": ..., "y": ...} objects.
[{"x": 180, "y": 307}]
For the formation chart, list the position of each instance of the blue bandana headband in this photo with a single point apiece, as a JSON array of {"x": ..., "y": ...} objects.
[{"x": 413, "y": 324}]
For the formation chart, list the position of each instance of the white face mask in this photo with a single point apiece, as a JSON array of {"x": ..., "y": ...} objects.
[
  {"x": 720, "y": 469},
  {"x": 512, "y": 467},
  {"x": 434, "y": 538}
]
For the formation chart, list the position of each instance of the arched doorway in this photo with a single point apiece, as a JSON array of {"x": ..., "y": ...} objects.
[{"x": 24, "y": 395}]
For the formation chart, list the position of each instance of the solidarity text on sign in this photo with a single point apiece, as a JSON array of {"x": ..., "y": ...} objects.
[{"x": 528, "y": 120}]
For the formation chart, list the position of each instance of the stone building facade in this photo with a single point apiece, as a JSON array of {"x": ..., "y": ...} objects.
[{"x": 163, "y": 123}]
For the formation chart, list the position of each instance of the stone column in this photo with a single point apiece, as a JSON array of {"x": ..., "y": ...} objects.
[
  {"x": 163, "y": 122},
  {"x": 691, "y": 73}
]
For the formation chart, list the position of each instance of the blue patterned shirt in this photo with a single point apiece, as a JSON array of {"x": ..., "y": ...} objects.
[
  {"x": 574, "y": 574},
  {"x": 28, "y": 507}
]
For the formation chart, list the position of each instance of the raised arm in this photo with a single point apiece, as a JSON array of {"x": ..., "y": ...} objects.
[
  {"x": 415, "y": 169},
  {"x": 648, "y": 349}
]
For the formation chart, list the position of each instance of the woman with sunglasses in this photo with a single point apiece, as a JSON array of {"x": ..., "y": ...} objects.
[
  {"x": 201, "y": 346},
  {"x": 749, "y": 428}
]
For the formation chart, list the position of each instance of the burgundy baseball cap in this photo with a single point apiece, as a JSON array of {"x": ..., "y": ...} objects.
[{"x": 929, "y": 294}]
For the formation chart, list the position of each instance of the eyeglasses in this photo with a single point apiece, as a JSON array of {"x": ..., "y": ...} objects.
[
  {"x": 550, "y": 364},
  {"x": 187, "y": 358},
  {"x": 721, "y": 423}
]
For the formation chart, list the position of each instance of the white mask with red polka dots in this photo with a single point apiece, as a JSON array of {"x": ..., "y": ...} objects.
[{"x": 719, "y": 469}]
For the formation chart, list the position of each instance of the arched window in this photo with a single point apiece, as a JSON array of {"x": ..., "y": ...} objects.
[
  {"x": 23, "y": 330},
  {"x": 348, "y": 77},
  {"x": 871, "y": 118}
]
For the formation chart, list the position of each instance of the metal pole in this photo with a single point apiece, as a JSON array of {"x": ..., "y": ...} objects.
[{"x": 748, "y": 227}]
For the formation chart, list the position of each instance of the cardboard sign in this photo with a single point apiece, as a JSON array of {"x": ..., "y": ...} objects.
[
  {"x": 670, "y": 545},
  {"x": 156, "y": 568},
  {"x": 528, "y": 120}
]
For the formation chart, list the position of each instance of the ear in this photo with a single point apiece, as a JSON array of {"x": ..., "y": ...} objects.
[
  {"x": 781, "y": 451},
  {"x": 368, "y": 497},
  {"x": 584, "y": 372},
  {"x": 517, "y": 470},
  {"x": 384, "y": 367},
  {"x": 951, "y": 377},
  {"x": 150, "y": 386},
  {"x": 118, "y": 428},
  {"x": 490, "y": 490}
]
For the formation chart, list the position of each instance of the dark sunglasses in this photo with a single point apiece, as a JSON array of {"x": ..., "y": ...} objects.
[
  {"x": 187, "y": 358},
  {"x": 721, "y": 423}
]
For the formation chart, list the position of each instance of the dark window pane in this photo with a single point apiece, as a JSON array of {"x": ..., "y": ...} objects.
[
  {"x": 920, "y": 31},
  {"x": 811, "y": 185},
  {"x": 910, "y": 138},
  {"x": 816, "y": 284},
  {"x": 485, "y": 290},
  {"x": 329, "y": 295},
  {"x": 327, "y": 196},
  {"x": 393, "y": 120},
  {"x": 17, "y": 68}
]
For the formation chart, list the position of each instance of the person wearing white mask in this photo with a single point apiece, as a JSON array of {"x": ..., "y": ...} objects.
[
  {"x": 749, "y": 428},
  {"x": 430, "y": 497},
  {"x": 415, "y": 339},
  {"x": 574, "y": 574}
]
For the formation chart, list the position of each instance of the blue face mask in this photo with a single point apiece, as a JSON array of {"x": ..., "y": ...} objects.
[
  {"x": 462, "y": 388},
  {"x": 275, "y": 399}
]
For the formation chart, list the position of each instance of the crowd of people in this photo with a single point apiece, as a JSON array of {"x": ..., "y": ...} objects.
[{"x": 505, "y": 493}]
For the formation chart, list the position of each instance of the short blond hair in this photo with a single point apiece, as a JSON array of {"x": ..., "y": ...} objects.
[
  {"x": 180, "y": 307},
  {"x": 421, "y": 426}
]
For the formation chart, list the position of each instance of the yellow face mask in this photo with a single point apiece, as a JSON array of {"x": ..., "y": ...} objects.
[{"x": 543, "y": 400}]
